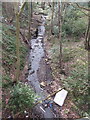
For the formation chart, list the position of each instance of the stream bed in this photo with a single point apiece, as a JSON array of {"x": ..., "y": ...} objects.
[{"x": 36, "y": 56}]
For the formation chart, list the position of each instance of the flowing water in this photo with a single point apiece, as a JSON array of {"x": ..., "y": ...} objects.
[{"x": 36, "y": 55}]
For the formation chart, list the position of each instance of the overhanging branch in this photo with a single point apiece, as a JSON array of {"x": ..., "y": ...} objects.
[
  {"x": 88, "y": 9},
  {"x": 80, "y": 10}
]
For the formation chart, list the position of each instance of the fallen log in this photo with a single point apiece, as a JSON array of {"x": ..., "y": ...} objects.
[{"x": 23, "y": 37}]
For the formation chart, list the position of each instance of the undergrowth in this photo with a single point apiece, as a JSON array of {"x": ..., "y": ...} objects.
[
  {"x": 9, "y": 52},
  {"x": 8, "y": 72},
  {"x": 22, "y": 98},
  {"x": 77, "y": 81}
]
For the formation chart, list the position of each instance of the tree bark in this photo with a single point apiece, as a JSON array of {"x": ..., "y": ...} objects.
[
  {"x": 87, "y": 36},
  {"x": 17, "y": 48},
  {"x": 88, "y": 40},
  {"x": 17, "y": 14},
  {"x": 29, "y": 19},
  {"x": 59, "y": 25},
  {"x": 31, "y": 8},
  {"x": 52, "y": 32}
]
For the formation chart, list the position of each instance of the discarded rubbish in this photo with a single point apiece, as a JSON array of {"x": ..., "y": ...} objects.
[
  {"x": 48, "y": 96},
  {"x": 60, "y": 97},
  {"x": 25, "y": 111},
  {"x": 10, "y": 117},
  {"x": 42, "y": 109},
  {"x": 26, "y": 114},
  {"x": 51, "y": 104},
  {"x": 42, "y": 84},
  {"x": 47, "y": 103}
]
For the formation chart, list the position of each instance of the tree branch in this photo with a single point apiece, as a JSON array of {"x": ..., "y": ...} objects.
[
  {"x": 22, "y": 8},
  {"x": 80, "y": 10},
  {"x": 88, "y": 9}
]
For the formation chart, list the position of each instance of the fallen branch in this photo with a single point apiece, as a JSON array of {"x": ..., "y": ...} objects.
[
  {"x": 23, "y": 37},
  {"x": 47, "y": 97}
]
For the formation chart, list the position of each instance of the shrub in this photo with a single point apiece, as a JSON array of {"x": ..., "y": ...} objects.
[
  {"x": 77, "y": 83},
  {"x": 67, "y": 54},
  {"x": 79, "y": 27},
  {"x": 22, "y": 98},
  {"x": 75, "y": 23},
  {"x": 9, "y": 49}
]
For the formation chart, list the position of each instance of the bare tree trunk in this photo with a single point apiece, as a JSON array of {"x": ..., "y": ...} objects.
[
  {"x": 88, "y": 40},
  {"x": 87, "y": 36},
  {"x": 52, "y": 18},
  {"x": 60, "y": 41},
  {"x": 87, "y": 47},
  {"x": 64, "y": 10},
  {"x": 17, "y": 47},
  {"x": 17, "y": 14},
  {"x": 29, "y": 20},
  {"x": 31, "y": 8},
  {"x": 89, "y": 66}
]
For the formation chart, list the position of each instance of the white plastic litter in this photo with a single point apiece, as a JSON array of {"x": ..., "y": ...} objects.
[
  {"x": 42, "y": 109},
  {"x": 60, "y": 97}
]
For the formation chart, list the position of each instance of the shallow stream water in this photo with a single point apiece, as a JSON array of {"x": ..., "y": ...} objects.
[{"x": 35, "y": 57}]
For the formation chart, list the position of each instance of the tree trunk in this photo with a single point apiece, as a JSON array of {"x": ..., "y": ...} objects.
[
  {"x": 17, "y": 48},
  {"x": 88, "y": 40},
  {"x": 31, "y": 8},
  {"x": 89, "y": 66},
  {"x": 52, "y": 32},
  {"x": 87, "y": 36},
  {"x": 17, "y": 14},
  {"x": 29, "y": 20},
  {"x": 59, "y": 25}
]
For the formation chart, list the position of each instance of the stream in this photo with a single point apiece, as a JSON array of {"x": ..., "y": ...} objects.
[{"x": 36, "y": 56}]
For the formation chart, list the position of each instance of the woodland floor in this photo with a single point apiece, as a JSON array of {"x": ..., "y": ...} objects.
[
  {"x": 51, "y": 77},
  {"x": 69, "y": 109}
]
